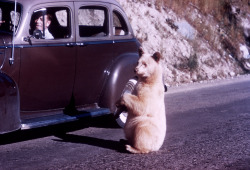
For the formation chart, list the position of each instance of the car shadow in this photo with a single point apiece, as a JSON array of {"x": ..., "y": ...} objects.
[
  {"x": 31, "y": 134},
  {"x": 60, "y": 129},
  {"x": 107, "y": 121},
  {"x": 118, "y": 146}
]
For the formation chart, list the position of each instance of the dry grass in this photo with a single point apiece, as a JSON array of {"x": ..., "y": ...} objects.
[
  {"x": 207, "y": 56},
  {"x": 221, "y": 12}
]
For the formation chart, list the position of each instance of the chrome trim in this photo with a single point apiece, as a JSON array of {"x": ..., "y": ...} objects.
[
  {"x": 71, "y": 44},
  {"x": 11, "y": 60}
]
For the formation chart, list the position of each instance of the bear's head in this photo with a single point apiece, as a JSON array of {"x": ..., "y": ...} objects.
[{"x": 148, "y": 65}]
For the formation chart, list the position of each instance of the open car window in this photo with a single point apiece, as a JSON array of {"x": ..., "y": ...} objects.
[
  {"x": 50, "y": 23},
  {"x": 93, "y": 21},
  {"x": 119, "y": 24},
  {"x": 8, "y": 17}
]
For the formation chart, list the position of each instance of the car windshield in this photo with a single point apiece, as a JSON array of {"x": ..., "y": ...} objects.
[{"x": 7, "y": 16}]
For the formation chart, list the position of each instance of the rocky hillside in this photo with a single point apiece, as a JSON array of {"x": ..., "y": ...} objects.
[{"x": 199, "y": 39}]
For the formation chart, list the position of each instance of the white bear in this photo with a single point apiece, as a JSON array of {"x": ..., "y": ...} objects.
[{"x": 145, "y": 128}]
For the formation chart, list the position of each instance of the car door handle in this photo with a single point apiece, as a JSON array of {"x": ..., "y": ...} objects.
[
  {"x": 70, "y": 44},
  {"x": 81, "y": 44}
]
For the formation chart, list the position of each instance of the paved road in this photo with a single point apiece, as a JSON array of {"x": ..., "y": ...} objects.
[{"x": 208, "y": 128}]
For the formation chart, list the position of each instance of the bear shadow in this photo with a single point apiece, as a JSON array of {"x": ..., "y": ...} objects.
[{"x": 118, "y": 146}]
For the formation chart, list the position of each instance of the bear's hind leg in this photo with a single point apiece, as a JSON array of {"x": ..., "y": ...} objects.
[{"x": 134, "y": 150}]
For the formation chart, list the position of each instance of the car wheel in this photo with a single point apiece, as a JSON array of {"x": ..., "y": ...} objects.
[{"x": 121, "y": 112}]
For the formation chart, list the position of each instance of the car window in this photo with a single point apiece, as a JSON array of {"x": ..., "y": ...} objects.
[
  {"x": 50, "y": 23},
  {"x": 62, "y": 17},
  {"x": 93, "y": 21},
  {"x": 119, "y": 24},
  {"x": 7, "y": 16}
]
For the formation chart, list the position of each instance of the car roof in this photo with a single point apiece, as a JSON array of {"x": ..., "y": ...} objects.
[{"x": 34, "y": 2}]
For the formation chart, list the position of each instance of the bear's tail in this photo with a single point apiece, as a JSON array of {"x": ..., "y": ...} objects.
[{"x": 134, "y": 150}]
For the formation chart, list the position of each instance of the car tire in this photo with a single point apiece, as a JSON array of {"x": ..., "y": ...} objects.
[{"x": 121, "y": 112}]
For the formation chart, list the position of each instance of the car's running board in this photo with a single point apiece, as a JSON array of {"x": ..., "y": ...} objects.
[{"x": 61, "y": 118}]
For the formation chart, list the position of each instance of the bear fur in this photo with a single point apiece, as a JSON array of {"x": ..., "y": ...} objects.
[{"x": 145, "y": 127}]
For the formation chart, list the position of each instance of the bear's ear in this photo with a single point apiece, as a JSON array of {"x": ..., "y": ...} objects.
[
  {"x": 157, "y": 56},
  {"x": 141, "y": 52}
]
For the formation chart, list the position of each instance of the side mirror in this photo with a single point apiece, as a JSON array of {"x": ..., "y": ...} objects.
[{"x": 37, "y": 34}]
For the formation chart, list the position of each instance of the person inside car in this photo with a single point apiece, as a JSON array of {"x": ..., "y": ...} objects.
[
  {"x": 43, "y": 24},
  {"x": 1, "y": 22}
]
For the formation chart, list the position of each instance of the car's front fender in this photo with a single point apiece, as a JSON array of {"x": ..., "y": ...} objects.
[
  {"x": 121, "y": 71},
  {"x": 9, "y": 105}
]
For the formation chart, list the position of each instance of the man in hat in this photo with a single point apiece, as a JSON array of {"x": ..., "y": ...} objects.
[{"x": 43, "y": 24}]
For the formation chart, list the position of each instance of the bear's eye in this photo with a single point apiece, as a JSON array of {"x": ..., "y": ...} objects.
[{"x": 144, "y": 64}]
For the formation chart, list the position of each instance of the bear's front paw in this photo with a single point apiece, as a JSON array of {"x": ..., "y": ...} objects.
[
  {"x": 125, "y": 98},
  {"x": 120, "y": 107},
  {"x": 120, "y": 103}
]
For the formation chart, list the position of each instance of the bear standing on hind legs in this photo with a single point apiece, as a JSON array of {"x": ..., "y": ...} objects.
[{"x": 145, "y": 127}]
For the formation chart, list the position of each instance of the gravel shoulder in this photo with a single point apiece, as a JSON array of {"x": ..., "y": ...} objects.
[{"x": 207, "y": 84}]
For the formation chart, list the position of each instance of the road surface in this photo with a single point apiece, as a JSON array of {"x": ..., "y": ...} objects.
[{"x": 208, "y": 128}]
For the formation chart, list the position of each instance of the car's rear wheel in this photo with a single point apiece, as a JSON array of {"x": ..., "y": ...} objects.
[{"x": 121, "y": 112}]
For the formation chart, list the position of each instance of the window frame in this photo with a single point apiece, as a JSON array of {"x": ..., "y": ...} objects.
[
  {"x": 122, "y": 22},
  {"x": 106, "y": 15},
  {"x": 129, "y": 35},
  {"x": 68, "y": 40},
  {"x": 19, "y": 7},
  {"x": 56, "y": 21},
  {"x": 107, "y": 6}
]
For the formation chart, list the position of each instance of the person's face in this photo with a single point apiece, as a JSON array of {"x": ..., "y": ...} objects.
[{"x": 39, "y": 22}]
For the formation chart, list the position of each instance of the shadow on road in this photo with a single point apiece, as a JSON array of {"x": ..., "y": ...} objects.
[
  {"x": 55, "y": 130},
  {"x": 100, "y": 122},
  {"x": 108, "y": 144}
]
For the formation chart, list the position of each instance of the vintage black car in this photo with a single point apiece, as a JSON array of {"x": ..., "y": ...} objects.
[{"x": 62, "y": 60}]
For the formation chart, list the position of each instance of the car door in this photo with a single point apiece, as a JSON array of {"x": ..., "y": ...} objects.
[
  {"x": 48, "y": 63},
  {"x": 94, "y": 50}
]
